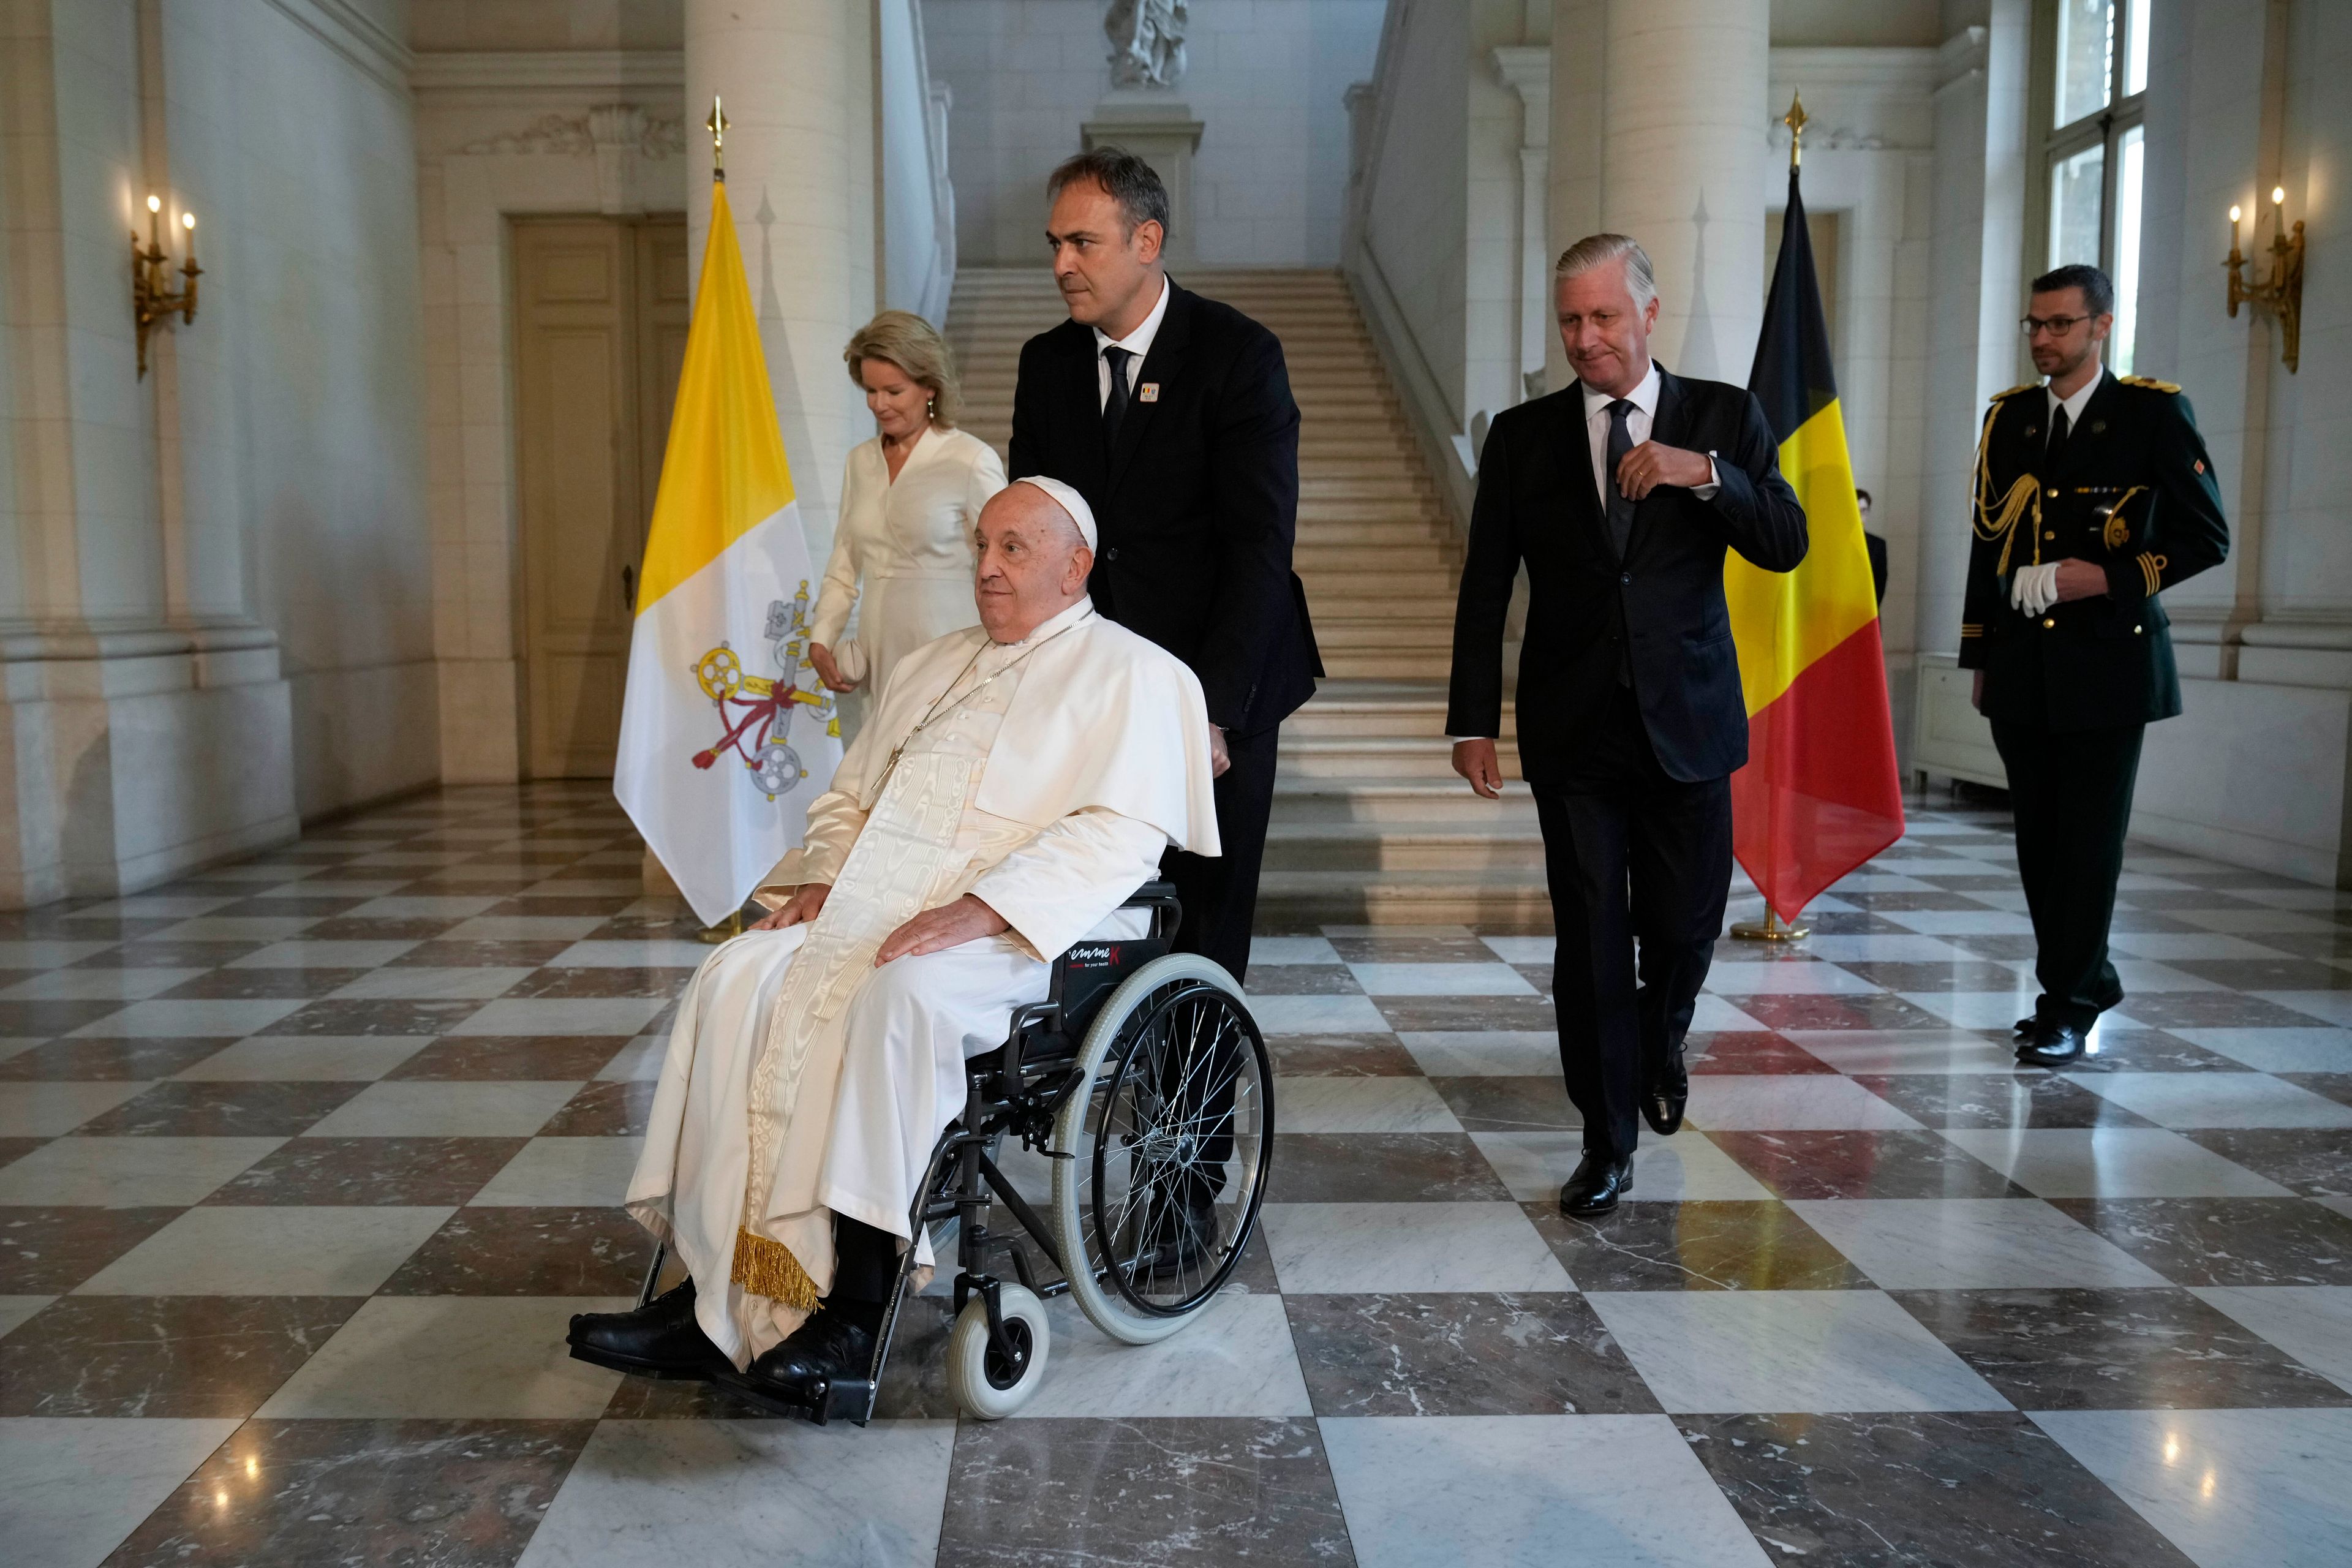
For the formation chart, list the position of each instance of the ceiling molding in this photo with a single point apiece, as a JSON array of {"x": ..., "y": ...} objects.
[
  {"x": 351, "y": 32},
  {"x": 570, "y": 72}
]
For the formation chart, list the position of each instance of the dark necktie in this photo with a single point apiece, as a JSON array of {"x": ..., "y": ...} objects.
[
  {"x": 2052, "y": 455},
  {"x": 1115, "y": 406},
  {"x": 1621, "y": 510}
]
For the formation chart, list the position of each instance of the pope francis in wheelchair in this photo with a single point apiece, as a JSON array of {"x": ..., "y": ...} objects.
[{"x": 971, "y": 943}]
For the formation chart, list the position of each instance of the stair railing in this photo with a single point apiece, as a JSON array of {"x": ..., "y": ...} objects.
[{"x": 1438, "y": 424}]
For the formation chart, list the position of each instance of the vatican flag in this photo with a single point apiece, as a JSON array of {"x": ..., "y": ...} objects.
[{"x": 726, "y": 732}]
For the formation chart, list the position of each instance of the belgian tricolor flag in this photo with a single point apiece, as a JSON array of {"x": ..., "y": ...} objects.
[{"x": 1819, "y": 795}]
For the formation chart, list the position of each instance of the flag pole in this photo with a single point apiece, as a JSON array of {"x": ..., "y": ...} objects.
[
  {"x": 733, "y": 926},
  {"x": 1769, "y": 929}
]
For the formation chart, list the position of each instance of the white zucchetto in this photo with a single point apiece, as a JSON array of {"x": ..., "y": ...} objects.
[{"x": 1070, "y": 501}]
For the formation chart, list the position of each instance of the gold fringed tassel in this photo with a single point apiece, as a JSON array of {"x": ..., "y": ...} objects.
[{"x": 768, "y": 1268}]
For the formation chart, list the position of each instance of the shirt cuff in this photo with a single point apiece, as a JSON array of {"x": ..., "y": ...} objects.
[{"x": 1714, "y": 481}]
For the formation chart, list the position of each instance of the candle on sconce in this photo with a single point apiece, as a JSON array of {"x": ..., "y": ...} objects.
[
  {"x": 2236, "y": 213},
  {"x": 154, "y": 238},
  {"x": 188, "y": 222}
]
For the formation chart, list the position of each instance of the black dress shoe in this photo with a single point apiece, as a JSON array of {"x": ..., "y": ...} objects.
[
  {"x": 1596, "y": 1187},
  {"x": 2025, "y": 1026},
  {"x": 1171, "y": 1240},
  {"x": 2052, "y": 1046},
  {"x": 1668, "y": 1092},
  {"x": 791, "y": 1378},
  {"x": 660, "y": 1339}
]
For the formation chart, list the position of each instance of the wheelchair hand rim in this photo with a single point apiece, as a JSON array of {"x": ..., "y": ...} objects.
[{"x": 1251, "y": 1043}]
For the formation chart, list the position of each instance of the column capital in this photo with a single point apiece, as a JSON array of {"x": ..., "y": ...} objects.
[{"x": 1525, "y": 69}]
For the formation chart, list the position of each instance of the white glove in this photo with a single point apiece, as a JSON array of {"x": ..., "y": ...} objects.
[{"x": 2034, "y": 589}]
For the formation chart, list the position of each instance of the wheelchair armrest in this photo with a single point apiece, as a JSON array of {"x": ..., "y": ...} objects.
[{"x": 1159, "y": 896}]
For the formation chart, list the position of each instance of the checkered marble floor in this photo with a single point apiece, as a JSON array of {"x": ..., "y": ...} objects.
[{"x": 304, "y": 1162}]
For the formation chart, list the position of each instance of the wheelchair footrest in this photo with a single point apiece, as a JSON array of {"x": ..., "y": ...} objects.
[{"x": 851, "y": 1397}]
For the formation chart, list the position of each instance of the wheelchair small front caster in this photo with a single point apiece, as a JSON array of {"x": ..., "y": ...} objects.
[{"x": 993, "y": 1380}]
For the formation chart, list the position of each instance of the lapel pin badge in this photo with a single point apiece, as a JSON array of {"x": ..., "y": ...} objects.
[
  {"x": 2098, "y": 427},
  {"x": 1147, "y": 393},
  {"x": 2199, "y": 465}
]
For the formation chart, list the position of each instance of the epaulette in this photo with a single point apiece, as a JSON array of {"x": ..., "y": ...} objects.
[
  {"x": 2151, "y": 382},
  {"x": 2013, "y": 392}
]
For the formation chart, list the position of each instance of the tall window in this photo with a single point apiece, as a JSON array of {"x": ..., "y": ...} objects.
[{"x": 2089, "y": 105}]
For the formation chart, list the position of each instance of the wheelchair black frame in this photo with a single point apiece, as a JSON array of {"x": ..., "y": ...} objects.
[{"x": 1019, "y": 1092}]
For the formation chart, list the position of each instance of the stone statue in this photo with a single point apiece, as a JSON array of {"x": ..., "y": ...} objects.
[{"x": 1146, "y": 40}]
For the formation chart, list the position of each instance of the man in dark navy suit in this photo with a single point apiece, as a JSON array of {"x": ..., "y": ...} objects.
[
  {"x": 1621, "y": 494},
  {"x": 1172, "y": 415}
]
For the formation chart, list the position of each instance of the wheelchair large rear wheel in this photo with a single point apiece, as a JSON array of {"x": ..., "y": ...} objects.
[{"x": 1162, "y": 1149}]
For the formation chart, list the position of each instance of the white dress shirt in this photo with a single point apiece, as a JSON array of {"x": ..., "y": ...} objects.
[
  {"x": 1136, "y": 342},
  {"x": 1645, "y": 399},
  {"x": 2072, "y": 406}
]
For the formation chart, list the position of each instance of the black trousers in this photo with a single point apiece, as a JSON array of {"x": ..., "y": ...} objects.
[
  {"x": 1632, "y": 857},
  {"x": 2071, "y": 795},
  {"x": 1220, "y": 893},
  {"x": 864, "y": 1262}
]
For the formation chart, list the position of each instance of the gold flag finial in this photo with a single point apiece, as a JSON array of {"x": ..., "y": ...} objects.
[
  {"x": 1795, "y": 120},
  {"x": 717, "y": 125}
]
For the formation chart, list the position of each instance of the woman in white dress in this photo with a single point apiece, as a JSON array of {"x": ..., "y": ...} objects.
[{"x": 903, "y": 550}]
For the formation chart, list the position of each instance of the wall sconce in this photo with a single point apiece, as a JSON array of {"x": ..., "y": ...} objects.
[
  {"x": 2282, "y": 292},
  {"x": 151, "y": 297}
]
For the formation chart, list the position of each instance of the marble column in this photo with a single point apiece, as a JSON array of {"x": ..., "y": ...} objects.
[
  {"x": 797, "y": 76},
  {"x": 1684, "y": 165},
  {"x": 1528, "y": 69}
]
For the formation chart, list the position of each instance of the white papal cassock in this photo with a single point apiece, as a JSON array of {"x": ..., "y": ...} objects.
[{"x": 1045, "y": 776}]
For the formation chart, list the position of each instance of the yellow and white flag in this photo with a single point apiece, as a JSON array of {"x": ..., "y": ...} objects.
[{"x": 726, "y": 732}]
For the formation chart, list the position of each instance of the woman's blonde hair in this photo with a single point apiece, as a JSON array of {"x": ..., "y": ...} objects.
[{"x": 911, "y": 344}]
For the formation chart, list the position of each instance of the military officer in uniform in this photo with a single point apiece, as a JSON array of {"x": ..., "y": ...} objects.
[{"x": 2092, "y": 495}]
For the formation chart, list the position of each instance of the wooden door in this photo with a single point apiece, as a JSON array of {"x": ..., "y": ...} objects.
[{"x": 599, "y": 328}]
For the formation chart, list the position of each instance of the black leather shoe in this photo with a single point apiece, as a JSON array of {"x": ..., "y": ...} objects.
[
  {"x": 660, "y": 1339},
  {"x": 2052, "y": 1046},
  {"x": 1596, "y": 1187},
  {"x": 791, "y": 1378},
  {"x": 2025, "y": 1026},
  {"x": 1668, "y": 1092},
  {"x": 1179, "y": 1238}
]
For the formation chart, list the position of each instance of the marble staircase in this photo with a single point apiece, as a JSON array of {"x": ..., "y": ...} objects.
[{"x": 1370, "y": 823}]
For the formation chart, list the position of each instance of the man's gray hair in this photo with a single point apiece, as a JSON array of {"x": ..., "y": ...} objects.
[{"x": 1599, "y": 249}]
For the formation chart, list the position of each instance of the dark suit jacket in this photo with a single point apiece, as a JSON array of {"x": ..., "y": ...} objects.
[
  {"x": 2134, "y": 493},
  {"x": 1197, "y": 503},
  {"x": 1661, "y": 609}
]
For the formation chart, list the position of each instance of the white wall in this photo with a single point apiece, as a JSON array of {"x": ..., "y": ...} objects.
[
  {"x": 218, "y": 611},
  {"x": 307, "y": 427},
  {"x": 1265, "y": 79}
]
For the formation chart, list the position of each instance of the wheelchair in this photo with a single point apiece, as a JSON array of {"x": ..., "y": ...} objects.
[{"x": 1143, "y": 1081}]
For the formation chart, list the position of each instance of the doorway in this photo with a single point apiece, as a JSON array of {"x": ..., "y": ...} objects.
[{"x": 601, "y": 316}]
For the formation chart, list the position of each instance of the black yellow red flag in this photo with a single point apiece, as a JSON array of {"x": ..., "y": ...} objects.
[{"x": 1819, "y": 795}]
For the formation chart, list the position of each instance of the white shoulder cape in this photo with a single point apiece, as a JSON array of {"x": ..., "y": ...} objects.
[{"x": 1102, "y": 718}]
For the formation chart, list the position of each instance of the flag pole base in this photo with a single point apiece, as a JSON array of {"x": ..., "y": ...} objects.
[
  {"x": 1769, "y": 929},
  {"x": 727, "y": 930}
]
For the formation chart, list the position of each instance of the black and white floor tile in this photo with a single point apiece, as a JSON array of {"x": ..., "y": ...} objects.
[{"x": 305, "y": 1161}]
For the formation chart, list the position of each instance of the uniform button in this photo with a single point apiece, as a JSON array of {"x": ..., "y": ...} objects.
[
  {"x": 1112, "y": 553},
  {"x": 1626, "y": 577},
  {"x": 2047, "y": 623},
  {"x": 2053, "y": 492},
  {"x": 2134, "y": 631},
  {"x": 2050, "y": 533}
]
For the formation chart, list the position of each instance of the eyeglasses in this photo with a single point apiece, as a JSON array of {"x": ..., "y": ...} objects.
[{"x": 2056, "y": 326}]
